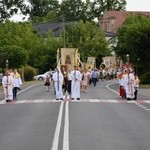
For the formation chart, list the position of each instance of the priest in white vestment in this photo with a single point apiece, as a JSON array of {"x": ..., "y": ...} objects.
[
  {"x": 7, "y": 83},
  {"x": 129, "y": 85},
  {"x": 75, "y": 84},
  {"x": 58, "y": 81}
]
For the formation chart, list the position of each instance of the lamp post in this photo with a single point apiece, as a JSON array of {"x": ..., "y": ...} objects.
[
  {"x": 7, "y": 64},
  {"x": 128, "y": 58}
]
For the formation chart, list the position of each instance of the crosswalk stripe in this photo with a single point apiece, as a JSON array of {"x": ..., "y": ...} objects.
[{"x": 76, "y": 101}]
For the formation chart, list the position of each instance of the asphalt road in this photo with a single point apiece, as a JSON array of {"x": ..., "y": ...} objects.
[{"x": 101, "y": 120}]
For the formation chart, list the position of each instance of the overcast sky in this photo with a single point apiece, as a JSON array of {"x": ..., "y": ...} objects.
[
  {"x": 138, "y": 5},
  {"x": 132, "y": 5}
]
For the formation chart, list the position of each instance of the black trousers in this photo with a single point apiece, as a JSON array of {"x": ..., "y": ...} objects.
[
  {"x": 135, "y": 94},
  {"x": 15, "y": 92},
  {"x": 69, "y": 87}
]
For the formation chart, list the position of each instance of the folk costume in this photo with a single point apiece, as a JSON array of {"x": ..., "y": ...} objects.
[
  {"x": 58, "y": 82},
  {"x": 7, "y": 83},
  {"x": 75, "y": 84}
]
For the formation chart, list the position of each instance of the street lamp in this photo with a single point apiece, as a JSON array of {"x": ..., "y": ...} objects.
[
  {"x": 7, "y": 64},
  {"x": 128, "y": 58}
]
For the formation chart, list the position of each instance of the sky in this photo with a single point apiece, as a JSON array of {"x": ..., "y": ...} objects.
[
  {"x": 138, "y": 5},
  {"x": 132, "y": 5}
]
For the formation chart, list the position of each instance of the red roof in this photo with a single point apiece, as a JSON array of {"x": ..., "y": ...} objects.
[{"x": 119, "y": 16}]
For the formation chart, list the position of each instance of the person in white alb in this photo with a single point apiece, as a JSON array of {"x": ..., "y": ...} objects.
[
  {"x": 129, "y": 85},
  {"x": 58, "y": 82},
  {"x": 7, "y": 82},
  {"x": 75, "y": 84}
]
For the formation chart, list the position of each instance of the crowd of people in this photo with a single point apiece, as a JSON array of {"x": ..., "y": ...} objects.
[
  {"x": 129, "y": 84},
  {"x": 11, "y": 84},
  {"x": 72, "y": 82}
]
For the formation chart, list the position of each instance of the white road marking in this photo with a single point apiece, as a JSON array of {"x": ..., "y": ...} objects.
[
  {"x": 94, "y": 100},
  {"x": 20, "y": 102},
  {"x": 76, "y": 101},
  {"x": 3, "y": 102},
  {"x": 111, "y": 89},
  {"x": 57, "y": 130},
  {"x": 146, "y": 101},
  {"x": 66, "y": 128},
  {"x": 38, "y": 101}
]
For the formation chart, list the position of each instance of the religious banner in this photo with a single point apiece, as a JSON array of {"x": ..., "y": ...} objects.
[
  {"x": 69, "y": 57},
  {"x": 91, "y": 62}
]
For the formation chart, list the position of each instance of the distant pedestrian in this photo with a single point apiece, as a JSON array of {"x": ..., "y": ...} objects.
[
  {"x": 17, "y": 82},
  {"x": 65, "y": 83},
  {"x": 85, "y": 79},
  {"x": 69, "y": 82},
  {"x": 58, "y": 82},
  {"x": 136, "y": 86},
  {"x": 47, "y": 82},
  {"x": 121, "y": 84},
  {"x": 7, "y": 82},
  {"x": 94, "y": 77}
]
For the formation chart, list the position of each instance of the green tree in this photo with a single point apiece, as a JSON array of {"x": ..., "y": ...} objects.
[
  {"x": 75, "y": 10},
  {"x": 16, "y": 56},
  {"x": 133, "y": 39},
  {"x": 100, "y": 6},
  {"x": 88, "y": 38},
  {"x": 40, "y": 8},
  {"x": 10, "y": 7}
]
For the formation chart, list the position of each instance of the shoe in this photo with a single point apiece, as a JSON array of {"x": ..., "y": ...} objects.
[
  {"x": 78, "y": 98},
  {"x": 72, "y": 98},
  {"x": 61, "y": 99},
  {"x": 57, "y": 99},
  {"x": 8, "y": 101}
]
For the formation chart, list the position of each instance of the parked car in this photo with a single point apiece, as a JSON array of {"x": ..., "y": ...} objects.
[
  {"x": 1, "y": 77},
  {"x": 42, "y": 76}
]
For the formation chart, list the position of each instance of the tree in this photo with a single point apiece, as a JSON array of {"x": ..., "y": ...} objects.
[
  {"x": 88, "y": 38},
  {"x": 75, "y": 10},
  {"x": 9, "y": 8},
  {"x": 40, "y": 8},
  {"x": 100, "y": 6},
  {"x": 133, "y": 39},
  {"x": 16, "y": 55}
]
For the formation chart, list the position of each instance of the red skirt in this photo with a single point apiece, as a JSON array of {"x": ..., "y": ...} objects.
[{"x": 121, "y": 91}]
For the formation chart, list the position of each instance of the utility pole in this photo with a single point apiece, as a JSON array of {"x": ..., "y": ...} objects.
[{"x": 64, "y": 36}]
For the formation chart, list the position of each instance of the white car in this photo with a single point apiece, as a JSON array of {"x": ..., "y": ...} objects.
[{"x": 43, "y": 76}]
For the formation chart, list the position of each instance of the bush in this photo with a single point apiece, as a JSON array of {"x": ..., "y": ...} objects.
[
  {"x": 29, "y": 72},
  {"x": 145, "y": 79}
]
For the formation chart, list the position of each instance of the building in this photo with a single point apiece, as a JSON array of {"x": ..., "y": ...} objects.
[
  {"x": 109, "y": 23},
  {"x": 111, "y": 20}
]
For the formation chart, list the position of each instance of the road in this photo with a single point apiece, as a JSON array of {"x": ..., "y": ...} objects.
[{"x": 99, "y": 121}]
